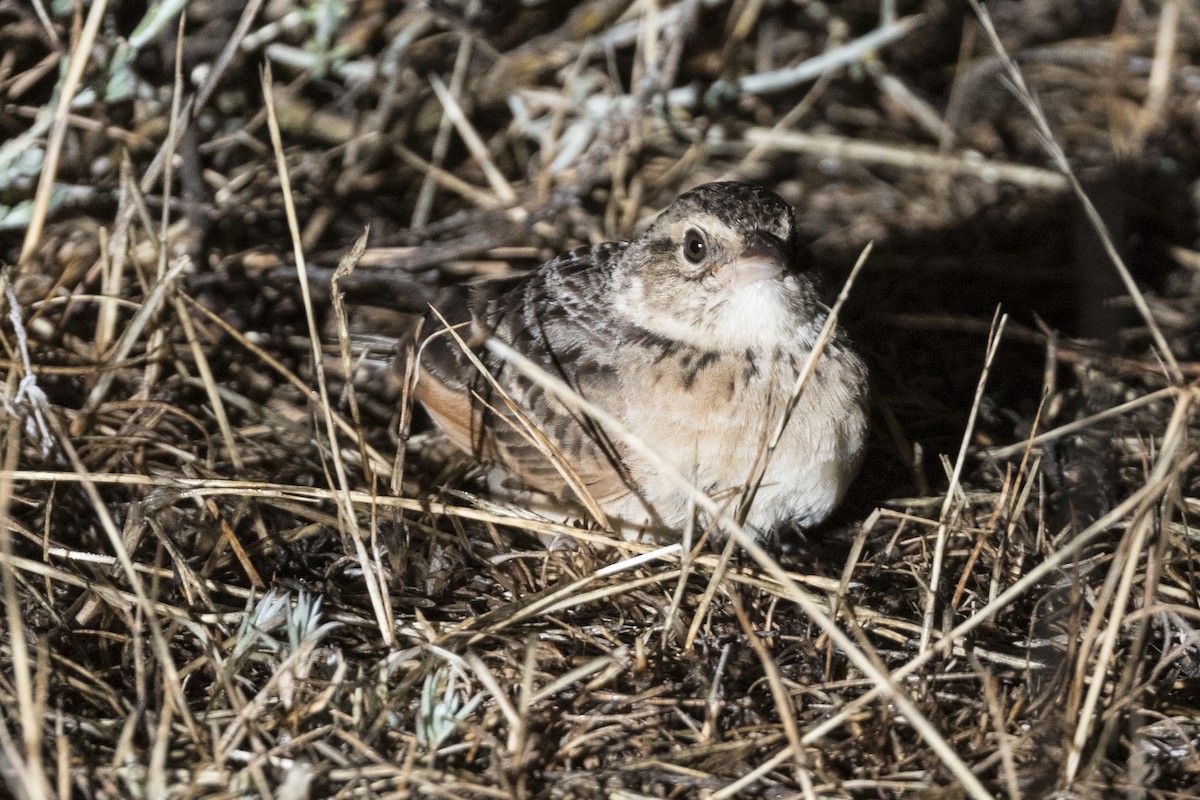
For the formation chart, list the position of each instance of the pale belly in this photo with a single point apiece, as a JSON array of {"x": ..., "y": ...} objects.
[{"x": 715, "y": 431}]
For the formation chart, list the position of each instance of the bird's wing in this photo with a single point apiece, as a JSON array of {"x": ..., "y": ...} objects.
[{"x": 508, "y": 419}]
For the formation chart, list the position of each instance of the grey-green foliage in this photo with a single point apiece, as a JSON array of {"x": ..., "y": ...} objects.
[
  {"x": 301, "y": 622},
  {"x": 21, "y": 158},
  {"x": 441, "y": 707},
  {"x": 325, "y": 16}
]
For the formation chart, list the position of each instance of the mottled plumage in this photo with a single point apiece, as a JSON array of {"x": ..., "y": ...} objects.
[{"x": 692, "y": 335}]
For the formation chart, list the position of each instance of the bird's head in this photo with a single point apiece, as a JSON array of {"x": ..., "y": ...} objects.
[{"x": 721, "y": 268}]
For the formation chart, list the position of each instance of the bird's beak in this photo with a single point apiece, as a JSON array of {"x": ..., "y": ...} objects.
[{"x": 762, "y": 259}]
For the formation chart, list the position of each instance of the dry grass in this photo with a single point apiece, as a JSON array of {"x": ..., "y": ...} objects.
[{"x": 229, "y": 571}]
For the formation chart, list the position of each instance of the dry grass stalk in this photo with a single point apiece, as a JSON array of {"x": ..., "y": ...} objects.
[
  {"x": 183, "y": 428},
  {"x": 945, "y": 517},
  {"x": 372, "y": 573}
]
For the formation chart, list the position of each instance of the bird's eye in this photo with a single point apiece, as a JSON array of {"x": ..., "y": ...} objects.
[{"x": 694, "y": 246}]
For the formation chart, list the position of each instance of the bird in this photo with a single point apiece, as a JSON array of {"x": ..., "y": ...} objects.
[{"x": 691, "y": 336}]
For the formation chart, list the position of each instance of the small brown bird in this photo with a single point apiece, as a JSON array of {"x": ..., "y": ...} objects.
[{"x": 693, "y": 336}]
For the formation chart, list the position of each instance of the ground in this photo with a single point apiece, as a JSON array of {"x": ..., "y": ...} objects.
[{"x": 228, "y": 571}]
